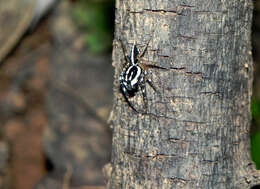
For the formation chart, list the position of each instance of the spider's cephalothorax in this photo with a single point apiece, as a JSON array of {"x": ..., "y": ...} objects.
[{"x": 133, "y": 77}]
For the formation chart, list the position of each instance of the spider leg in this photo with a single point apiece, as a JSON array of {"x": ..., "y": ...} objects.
[
  {"x": 127, "y": 100},
  {"x": 123, "y": 49},
  {"x": 143, "y": 89},
  {"x": 151, "y": 84},
  {"x": 144, "y": 93},
  {"x": 146, "y": 66},
  {"x": 144, "y": 50},
  {"x": 149, "y": 81}
]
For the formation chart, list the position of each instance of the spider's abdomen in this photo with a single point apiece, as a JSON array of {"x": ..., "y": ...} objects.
[
  {"x": 130, "y": 79},
  {"x": 133, "y": 74}
]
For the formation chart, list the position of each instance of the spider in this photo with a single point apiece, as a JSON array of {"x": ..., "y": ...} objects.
[{"x": 134, "y": 76}]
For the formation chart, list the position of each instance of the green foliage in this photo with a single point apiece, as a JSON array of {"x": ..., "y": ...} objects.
[
  {"x": 255, "y": 139},
  {"x": 95, "y": 19},
  {"x": 255, "y": 149},
  {"x": 255, "y": 109}
]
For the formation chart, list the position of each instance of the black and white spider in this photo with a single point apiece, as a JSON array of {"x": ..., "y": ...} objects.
[{"x": 134, "y": 76}]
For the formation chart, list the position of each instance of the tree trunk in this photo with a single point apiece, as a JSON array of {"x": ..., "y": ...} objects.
[{"x": 195, "y": 133}]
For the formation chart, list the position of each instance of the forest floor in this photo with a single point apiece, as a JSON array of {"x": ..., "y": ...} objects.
[{"x": 54, "y": 58}]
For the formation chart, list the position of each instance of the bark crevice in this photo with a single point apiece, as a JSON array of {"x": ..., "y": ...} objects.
[{"x": 195, "y": 131}]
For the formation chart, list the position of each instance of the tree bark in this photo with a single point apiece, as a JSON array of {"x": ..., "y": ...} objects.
[{"x": 196, "y": 131}]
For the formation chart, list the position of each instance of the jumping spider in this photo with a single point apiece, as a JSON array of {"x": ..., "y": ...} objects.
[{"x": 134, "y": 76}]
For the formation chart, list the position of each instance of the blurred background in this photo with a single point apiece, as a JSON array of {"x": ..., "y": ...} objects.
[{"x": 56, "y": 85}]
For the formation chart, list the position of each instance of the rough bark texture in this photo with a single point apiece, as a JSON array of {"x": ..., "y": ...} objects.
[{"x": 196, "y": 131}]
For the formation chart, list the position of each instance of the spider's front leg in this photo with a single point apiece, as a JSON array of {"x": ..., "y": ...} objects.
[
  {"x": 149, "y": 81},
  {"x": 143, "y": 89},
  {"x": 141, "y": 54},
  {"x": 126, "y": 97},
  {"x": 125, "y": 92},
  {"x": 144, "y": 94},
  {"x": 124, "y": 53}
]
